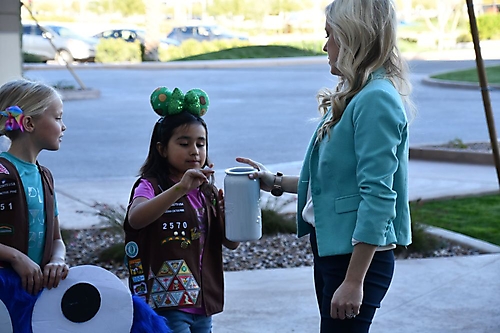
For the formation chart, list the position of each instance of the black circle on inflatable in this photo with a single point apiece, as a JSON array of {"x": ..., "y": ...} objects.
[{"x": 81, "y": 302}]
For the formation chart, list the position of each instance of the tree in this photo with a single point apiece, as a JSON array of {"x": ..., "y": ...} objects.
[
  {"x": 228, "y": 7},
  {"x": 286, "y": 6},
  {"x": 442, "y": 19},
  {"x": 153, "y": 19},
  {"x": 124, "y": 7},
  {"x": 130, "y": 7},
  {"x": 255, "y": 10}
]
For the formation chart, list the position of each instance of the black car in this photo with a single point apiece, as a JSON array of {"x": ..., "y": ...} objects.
[
  {"x": 202, "y": 33},
  {"x": 131, "y": 35}
]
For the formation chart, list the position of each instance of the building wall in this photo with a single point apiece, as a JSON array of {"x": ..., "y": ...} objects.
[{"x": 10, "y": 43}]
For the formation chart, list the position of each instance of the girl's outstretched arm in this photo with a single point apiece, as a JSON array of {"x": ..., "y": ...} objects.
[
  {"x": 143, "y": 211},
  {"x": 57, "y": 269}
]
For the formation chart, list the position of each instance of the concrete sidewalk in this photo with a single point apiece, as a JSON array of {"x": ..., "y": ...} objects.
[
  {"x": 444, "y": 295},
  {"x": 439, "y": 295},
  {"x": 435, "y": 295}
]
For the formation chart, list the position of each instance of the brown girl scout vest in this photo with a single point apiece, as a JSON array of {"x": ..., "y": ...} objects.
[
  {"x": 14, "y": 222},
  {"x": 164, "y": 259}
]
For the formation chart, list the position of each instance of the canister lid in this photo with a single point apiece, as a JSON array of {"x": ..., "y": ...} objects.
[{"x": 240, "y": 171}]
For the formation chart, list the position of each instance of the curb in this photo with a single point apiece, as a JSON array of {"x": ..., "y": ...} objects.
[
  {"x": 451, "y": 155},
  {"x": 455, "y": 84},
  {"x": 194, "y": 64},
  {"x": 460, "y": 239},
  {"x": 79, "y": 94}
]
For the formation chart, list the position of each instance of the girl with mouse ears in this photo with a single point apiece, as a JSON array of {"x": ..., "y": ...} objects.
[{"x": 174, "y": 227}]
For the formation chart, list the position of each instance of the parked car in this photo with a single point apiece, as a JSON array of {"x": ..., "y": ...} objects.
[
  {"x": 131, "y": 35},
  {"x": 202, "y": 33},
  {"x": 71, "y": 45}
]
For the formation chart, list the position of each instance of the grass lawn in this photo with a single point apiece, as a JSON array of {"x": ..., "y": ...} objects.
[
  {"x": 477, "y": 217},
  {"x": 248, "y": 52},
  {"x": 470, "y": 75}
]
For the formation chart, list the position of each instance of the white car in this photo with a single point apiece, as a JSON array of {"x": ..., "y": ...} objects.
[{"x": 70, "y": 45}]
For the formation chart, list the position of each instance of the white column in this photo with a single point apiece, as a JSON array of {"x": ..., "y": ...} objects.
[{"x": 10, "y": 43}]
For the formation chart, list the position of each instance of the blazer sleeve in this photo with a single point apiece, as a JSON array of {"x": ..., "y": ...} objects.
[{"x": 379, "y": 120}]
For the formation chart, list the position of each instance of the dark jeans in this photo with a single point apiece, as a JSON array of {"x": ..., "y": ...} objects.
[
  {"x": 184, "y": 322},
  {"x": 329, "y": 273}
]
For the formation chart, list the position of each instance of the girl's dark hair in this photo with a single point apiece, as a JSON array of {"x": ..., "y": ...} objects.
[{"x": 157, "y": 166}]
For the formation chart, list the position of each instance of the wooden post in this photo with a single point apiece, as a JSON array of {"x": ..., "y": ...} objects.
[
  {"x": 484, "y": 86},
  {"x": 68, "y": 66}
]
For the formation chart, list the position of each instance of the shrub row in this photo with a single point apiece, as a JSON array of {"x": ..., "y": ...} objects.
[
  {"x": 117, "y": 50},
  {"x": 489, "y": 26}
]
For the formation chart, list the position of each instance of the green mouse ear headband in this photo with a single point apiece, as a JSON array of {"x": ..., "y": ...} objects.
[{"x": 168, "y": 103}]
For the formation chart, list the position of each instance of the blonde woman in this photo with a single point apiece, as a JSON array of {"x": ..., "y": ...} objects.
[{"x": 353, "y": 186}]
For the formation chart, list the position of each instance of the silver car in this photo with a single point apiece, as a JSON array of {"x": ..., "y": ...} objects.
[{"x": 69, "y": 44}]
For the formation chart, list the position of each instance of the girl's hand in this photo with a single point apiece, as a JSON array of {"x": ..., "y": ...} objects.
[
  {"x": 266, "y": 176},
  {"x": 346, "y": 301},
  {"x": 54, "y": 272},
  {"x": 193, "y": 178},
  {"x": 30, "y": 273}
]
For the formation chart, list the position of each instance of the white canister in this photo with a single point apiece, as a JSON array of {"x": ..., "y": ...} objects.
[{"x": 242, "y": 205}]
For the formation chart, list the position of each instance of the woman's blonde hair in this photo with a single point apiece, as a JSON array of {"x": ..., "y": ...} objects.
[
  {"x": 32, "y": 97},
  {"x": 365, "y": 32}
]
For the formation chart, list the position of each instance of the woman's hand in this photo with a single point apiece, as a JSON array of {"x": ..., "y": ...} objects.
[
  {"x": 30, "y": 273},
  {"x": 193, "y": 178},
  {"x": 54, "y": 272},
  {"x": 266, "y": 176},
  {"x": 346, "y": 301}
]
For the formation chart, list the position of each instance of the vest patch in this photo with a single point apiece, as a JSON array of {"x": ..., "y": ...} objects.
[
  {"x": 6, "y": 229},
  {"x": 8, "y": 188},
  {"x": 131, "y": 249},
  {"x": 3, "y": 169},
  {"x": 174, "y": 285}
]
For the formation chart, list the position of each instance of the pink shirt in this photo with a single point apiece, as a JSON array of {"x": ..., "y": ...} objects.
[{"x": 196, "y": 200}]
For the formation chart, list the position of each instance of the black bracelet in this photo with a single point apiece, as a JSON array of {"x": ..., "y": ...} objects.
[{"x": 277, "y": 189}]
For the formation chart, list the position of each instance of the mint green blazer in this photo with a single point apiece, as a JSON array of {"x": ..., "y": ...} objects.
[{"x": 359, "y": 175}]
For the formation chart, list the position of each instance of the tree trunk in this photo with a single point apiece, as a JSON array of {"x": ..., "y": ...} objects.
[{"x": 153, "y": 33}]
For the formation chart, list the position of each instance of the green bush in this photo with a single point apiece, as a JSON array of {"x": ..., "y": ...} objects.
[
  {"x": 464, "y": 38},
  {"x": 31, "y": 58},
  {"x": 113, "y": 253},
  {"x": 193, "y": 47},
  {"x": 422, "y": 243},
  {"x": 117, "y": 50},
  {"x": 315, "y": 46},
  {"x": 489, "y": 26},
  {"x": 274, "y": 218}
]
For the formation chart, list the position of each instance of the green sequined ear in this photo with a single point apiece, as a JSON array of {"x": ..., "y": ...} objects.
[
  {"x": 196, "y": 102},
  {"x": 160, "y": 99},
  {"x": 167, "y": 103},
  {"x": 177, "y": 103}
]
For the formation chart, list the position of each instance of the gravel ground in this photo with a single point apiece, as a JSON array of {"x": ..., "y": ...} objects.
[{"x": 279, "y": 251}]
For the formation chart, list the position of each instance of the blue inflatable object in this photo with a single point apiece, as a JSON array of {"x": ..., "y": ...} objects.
[{"x": 20, "y": 304}]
